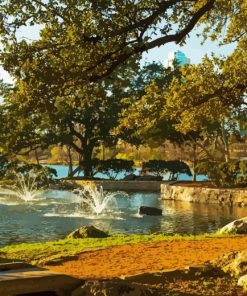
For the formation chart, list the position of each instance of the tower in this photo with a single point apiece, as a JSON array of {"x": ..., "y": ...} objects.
[{"x": 177, "y": 55}]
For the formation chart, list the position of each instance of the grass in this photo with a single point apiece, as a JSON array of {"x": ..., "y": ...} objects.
[{"x": 46, "y": 252}]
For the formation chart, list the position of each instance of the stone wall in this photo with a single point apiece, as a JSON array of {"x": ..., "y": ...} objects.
[
  {"x": 204, "y": 195},
  {"x": 148, "y": 186}
]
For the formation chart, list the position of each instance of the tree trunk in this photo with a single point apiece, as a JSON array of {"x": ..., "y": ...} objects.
[
  {"x": 87, "y": 161},
  {"x": 194, "y": 162},
  {"x": 36, "y": 156},
  {"x": 225, "y": 142},
  {"x": 70, "y": 170},
  {"x": 103, "y": 152}
]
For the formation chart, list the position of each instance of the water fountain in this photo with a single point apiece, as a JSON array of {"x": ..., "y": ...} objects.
[
  {"x": 26, "y": 187},
  {"x": 96, "y": 199}
]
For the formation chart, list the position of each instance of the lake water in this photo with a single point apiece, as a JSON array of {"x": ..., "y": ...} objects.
[
  {"x": 56, "y": 213},
  {"x": 62, "y": 172}
]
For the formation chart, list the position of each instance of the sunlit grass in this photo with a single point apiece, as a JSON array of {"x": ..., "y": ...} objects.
[{"x": 41, "y": 253}]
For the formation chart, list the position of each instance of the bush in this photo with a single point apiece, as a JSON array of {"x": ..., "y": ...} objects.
[
  {"x": 173, "y": 167},
  {"x": 230, "y": 174},
  {"x": 3, "y": 166},
  {"x": 112, "y": 167},
  {"x": 95, "y": 164},
  {"x": 12, "y": 169}
]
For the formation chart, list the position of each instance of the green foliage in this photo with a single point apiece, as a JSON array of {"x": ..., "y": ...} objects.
[
  {"x": 87, "y": 40},
  {"x": 112, "y": 167},
  {"x": 94, "y": 164},
  {"x": 173, "y": 167},
  {"x": 228, "y": 174},
  {"x": 3, "y": 166},
  {"x": 210, "y": 91},
  {"x": 143, "y": 114},
  {"x": 10, "y": 170},
  {"x": 69, "y": 82}
]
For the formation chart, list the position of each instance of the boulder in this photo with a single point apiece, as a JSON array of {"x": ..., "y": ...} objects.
[
  {"x": 130, "y": 177},
  {"x": 115, "y": 287},
  {"x": 87, "y": 231},
  {"x": 234, "y": 263},
  {"x": 242, "y": 281},
  {"x": 150, "y": 211},
  {"x": 149, "y": 178},
  {"x": 238, "y": 227}
]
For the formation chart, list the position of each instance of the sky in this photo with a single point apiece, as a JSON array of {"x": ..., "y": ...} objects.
[{"x": 193, "y": 49}]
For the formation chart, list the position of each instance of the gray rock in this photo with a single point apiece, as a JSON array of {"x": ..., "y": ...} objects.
[
  {"x": 238, "y": 227},
  {"x": 115, "y": 287},
  {"x": 130, "y": 177},
  {"x": 234, "y": 263},
  {"x": 149, "y": 178},
  {"x": 242, "y": 281},
  {"x": 87, "y": 231},
  {"x": 150, "y": 211}
]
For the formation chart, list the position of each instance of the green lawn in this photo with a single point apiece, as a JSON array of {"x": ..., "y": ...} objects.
[{"x": 41, "y": 253}]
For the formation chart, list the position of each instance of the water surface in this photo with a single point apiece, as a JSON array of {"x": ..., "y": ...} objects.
[
  {"x": 62, "y": 172},
  {"x": 57, "y": 213}
]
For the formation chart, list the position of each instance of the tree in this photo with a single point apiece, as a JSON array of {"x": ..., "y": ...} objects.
[
  {"x": 212, "y": 90},
  {"x": 80, "y": 120},
  {"x": 144, "y": 105},
  {"x": 82, "y": 47},
  {"x": 211, "y": 97},
  {"x": 105, "y": 33},
  {"x": 173, "y": 167}
]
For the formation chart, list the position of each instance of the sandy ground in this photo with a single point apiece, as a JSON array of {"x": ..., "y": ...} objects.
[{"x": 135, "y": 259}]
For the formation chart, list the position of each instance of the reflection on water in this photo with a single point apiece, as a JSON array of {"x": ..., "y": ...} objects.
[
  {"x": 194, "y": 218},
  {"x": 57, "y": 213}
]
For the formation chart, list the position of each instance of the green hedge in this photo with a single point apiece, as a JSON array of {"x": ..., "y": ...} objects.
[{"x": 172, "y": 167}]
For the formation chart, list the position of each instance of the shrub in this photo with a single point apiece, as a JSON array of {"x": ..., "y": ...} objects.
[
  {"x": 12, "y": 169},
  {"x": 230, "y": 174},
  {"x": 112, "y": 167},
  {"x": 3, "y": 166},
  {"x": 161, "y": 167}
]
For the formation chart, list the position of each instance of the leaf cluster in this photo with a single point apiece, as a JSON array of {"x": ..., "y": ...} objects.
[
  {"x": 231, "y": 174},
  {"x": 173, "y": 167}
]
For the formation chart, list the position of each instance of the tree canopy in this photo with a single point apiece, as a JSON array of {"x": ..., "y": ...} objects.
[
  {"x": 104, "y": 34},
  {"x": 212, "y": 90},
  {"x": 69, "y": 83}
]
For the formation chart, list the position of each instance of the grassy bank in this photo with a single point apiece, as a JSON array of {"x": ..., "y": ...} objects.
[{"x": 41, "y": 253}]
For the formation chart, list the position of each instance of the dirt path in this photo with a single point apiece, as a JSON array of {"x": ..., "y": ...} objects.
[{"x": 148, "y": 257}]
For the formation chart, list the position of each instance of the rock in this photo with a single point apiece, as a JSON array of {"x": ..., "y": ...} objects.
[
  {"x": 63, "y": 185},
  {"x": 234, "y": 263},
  {"x": 130, "y": 177},
  {"x": 238, "y": 227},
  {"x": 87, "y": 231},
  {"x": 150, "y": 211},
  {"x": 242, "y": 281},
  {"x": 149, "y": 178},
  {"x": 115, "y": 288}
]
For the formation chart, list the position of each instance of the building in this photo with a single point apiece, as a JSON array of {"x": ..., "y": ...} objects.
[{"x": 177, "y": 55}]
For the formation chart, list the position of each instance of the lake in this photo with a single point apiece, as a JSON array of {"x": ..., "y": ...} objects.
[
  {"x": 56, "y": 213},
  {"x": 62, "y": 172}
]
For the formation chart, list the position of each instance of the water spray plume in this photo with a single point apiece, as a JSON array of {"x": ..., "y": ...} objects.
[
  {"x": 26, "y": 187},
  {"x": 96, "y": 198}
]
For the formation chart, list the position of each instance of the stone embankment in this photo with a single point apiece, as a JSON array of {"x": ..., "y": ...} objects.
[
  {"x": 204, "y": 194},
  {"x": 145, "y": 186}
]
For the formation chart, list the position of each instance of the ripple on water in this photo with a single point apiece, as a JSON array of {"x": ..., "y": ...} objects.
[{"x": 56, "y": 214}]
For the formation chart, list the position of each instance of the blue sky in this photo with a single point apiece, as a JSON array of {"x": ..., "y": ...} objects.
[{"x": 192, "y": 49}]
